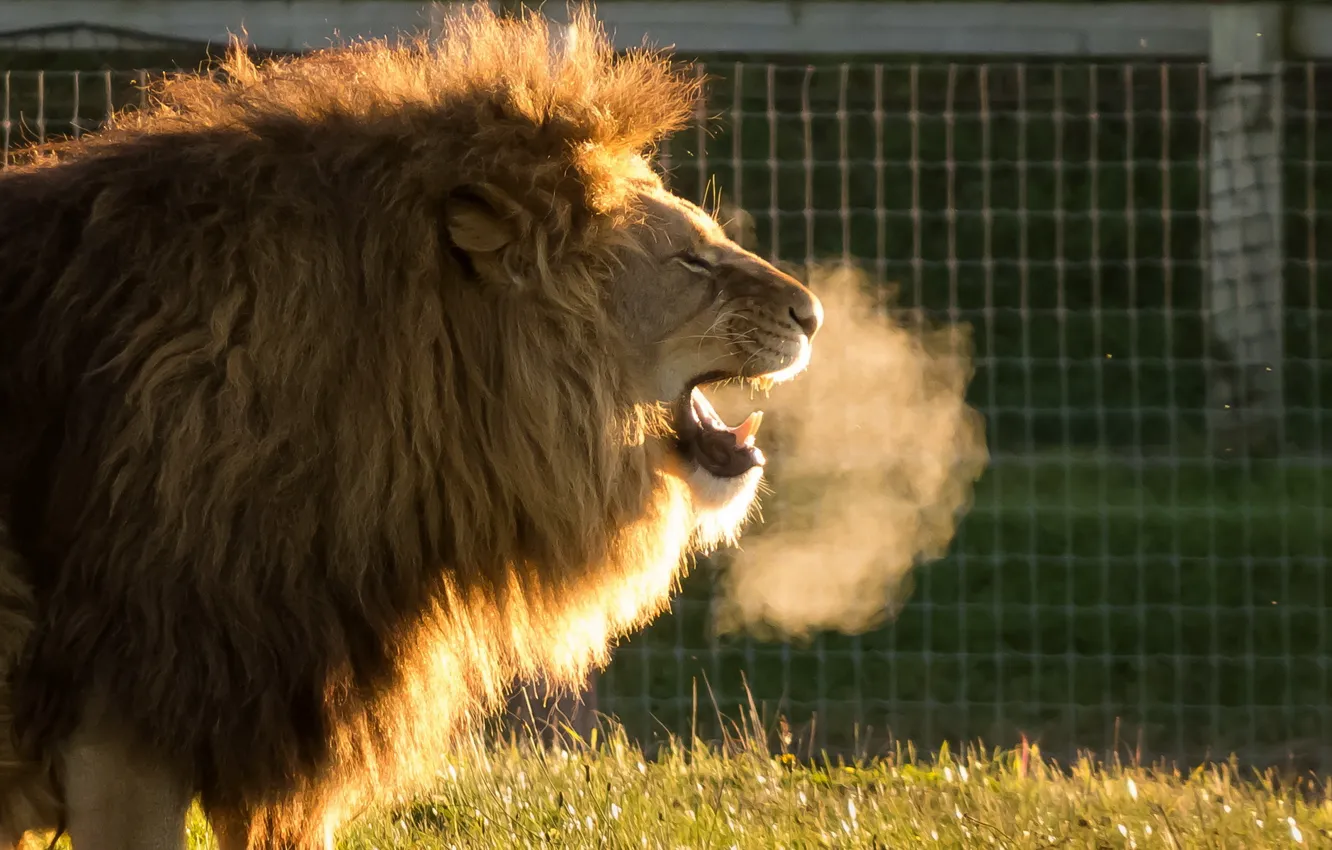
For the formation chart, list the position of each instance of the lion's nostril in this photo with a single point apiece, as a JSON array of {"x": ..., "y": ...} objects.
[{"x": 807, "y": 322}]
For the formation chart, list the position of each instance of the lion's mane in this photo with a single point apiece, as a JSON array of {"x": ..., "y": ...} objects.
[{"x": 298, "y": 495}]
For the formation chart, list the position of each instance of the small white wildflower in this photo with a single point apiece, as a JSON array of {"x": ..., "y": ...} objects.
[
  {"x": 1123, "y": 830},
  {"x": 615, "y": 811},
  {"x": 851, "y": 809},
  {"x": 934, "y": 833},
  {"x": 453, "y": 772},
  {"x": 1132, "y": 788},
  {"x": 948, "y": 774},
  {"x": 588, "y": 822},
  {"x": 1147, "y": 829},
  {"x": 962, "y": 772},
  {"x": 1259, "y": 822},
  {"x": 801, "y": 797},
  {"x": 1295, "y": 834},
  {"x": 957, "y": 813},
  {"x": 1226, "y": 808}
]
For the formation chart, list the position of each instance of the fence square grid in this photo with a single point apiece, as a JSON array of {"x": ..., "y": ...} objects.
[{"x": 1121, "y": 578}]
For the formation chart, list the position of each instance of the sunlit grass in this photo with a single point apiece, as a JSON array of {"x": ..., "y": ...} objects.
[{"x": 603, "y": 793}]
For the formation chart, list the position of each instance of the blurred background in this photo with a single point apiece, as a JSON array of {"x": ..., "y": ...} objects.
[{"x": 1126, "y": 202}]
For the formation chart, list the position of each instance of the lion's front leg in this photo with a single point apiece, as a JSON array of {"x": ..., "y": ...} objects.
[
  {"x": 30, "y": 801},
  {"x": 118, "y": 799},
  {"x": 29, "y": 810},
  {"x": 234, "y": 831}
]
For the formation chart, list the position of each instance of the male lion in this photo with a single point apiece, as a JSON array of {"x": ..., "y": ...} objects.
[{"x": 336, "y": 394}]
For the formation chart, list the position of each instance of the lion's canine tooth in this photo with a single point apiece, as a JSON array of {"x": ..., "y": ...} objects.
[{"x": 747, "y": 430}]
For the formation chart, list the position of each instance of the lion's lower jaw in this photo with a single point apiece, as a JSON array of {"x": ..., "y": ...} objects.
[{"x": 721, "y": 505}]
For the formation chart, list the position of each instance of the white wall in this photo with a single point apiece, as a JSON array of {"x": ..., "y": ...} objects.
[{"x": 1151, "y": 29}]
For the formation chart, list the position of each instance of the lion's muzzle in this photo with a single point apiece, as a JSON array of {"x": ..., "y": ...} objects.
[{"x": 781, "y": 326}]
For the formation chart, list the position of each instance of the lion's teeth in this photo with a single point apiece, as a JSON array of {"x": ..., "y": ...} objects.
[
  {"x": 703, "y": 406},
  {"x": 747, "y": 430}
]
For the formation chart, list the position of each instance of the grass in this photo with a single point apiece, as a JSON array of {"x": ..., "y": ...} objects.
[{"x": 603, "y": 793}]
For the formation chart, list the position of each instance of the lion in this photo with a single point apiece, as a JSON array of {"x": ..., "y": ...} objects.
[{"x": 339, "y": 392}]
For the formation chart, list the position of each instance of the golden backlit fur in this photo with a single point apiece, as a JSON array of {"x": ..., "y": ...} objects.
[{"x": 327, "y": 413}]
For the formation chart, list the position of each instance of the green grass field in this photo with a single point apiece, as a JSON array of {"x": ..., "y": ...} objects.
[{"x": 604, "y": 794}]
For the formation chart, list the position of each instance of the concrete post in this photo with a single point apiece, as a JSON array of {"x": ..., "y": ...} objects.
[{"x": 1244, "y": 298}]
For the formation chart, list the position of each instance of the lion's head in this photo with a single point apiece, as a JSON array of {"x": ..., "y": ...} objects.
[{"x": 690, "y": 308}]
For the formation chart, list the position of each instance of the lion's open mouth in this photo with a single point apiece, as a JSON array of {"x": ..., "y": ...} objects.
[{"x": 705, "y": 439}]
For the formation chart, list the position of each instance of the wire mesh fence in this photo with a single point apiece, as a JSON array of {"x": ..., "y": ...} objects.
[{"x": 1126, "y": 576}]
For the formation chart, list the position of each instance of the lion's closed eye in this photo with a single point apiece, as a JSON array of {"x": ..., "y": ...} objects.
[{"x": 694, "y": 262}]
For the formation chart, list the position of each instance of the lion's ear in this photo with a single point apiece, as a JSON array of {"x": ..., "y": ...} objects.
[
  {"x": 739, "y": 227},
  {"x": 475, "y": 225}
]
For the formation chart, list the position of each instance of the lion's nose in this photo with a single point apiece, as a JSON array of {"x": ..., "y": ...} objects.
[{"x": 806, "y": 311}]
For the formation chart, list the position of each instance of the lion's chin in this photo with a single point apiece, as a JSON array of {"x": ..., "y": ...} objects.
[{"x": 721, "y": 504}]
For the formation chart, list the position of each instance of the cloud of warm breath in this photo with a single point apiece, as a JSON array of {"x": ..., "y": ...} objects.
[{"x": 872, "y": 458}]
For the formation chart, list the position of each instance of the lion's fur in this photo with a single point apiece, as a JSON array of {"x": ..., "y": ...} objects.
[
  {"x": 28, "y": 796},
  {"x": 279, "y": 468}
]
